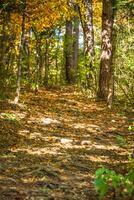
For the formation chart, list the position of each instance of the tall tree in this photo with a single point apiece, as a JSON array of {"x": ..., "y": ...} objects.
[
  {"x": 22, "y": 39},
  {"x": 71, "y": 45},
  {"x": 68, "y": 51},
  {"x": 75, "y": 42},
  {"x": 86, "y": 17},
  {"x": 106, "y": 68},
  {"x": 46, "y": 62}
]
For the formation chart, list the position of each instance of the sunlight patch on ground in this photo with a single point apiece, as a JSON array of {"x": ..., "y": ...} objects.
[
  {"x": 21, "y": 115},
  {"x": 89, "y": 127},
  {"x": 38, "y": 135},
  {"x": 47, "y": 121},
  {"x": 100, "y": 159},
  {"x": 35, "y": 135},
  {"x": 39, "y": 151},
  {"x": 107, "y": 147},
  {"x": 24, "y": 133}
]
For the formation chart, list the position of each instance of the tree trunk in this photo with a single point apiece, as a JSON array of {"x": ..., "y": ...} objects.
[
  {"x": 27, "y": 52},
  {"x": 46, "y": 62},
  {"x": 39, "y": 62},
  {"x": 57, "y": 56},
  {"x": 88, "y": 31},
  {"x": 75, "y": 44},
  {"x": 68, "y": 51},
  {"x": 105, "y": 91},
  {"x": 20, "y": 56},
  {"x": 5, "y": 49}
]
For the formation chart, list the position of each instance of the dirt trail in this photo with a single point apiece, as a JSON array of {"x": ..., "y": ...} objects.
[{"x": 52, "y": 144}]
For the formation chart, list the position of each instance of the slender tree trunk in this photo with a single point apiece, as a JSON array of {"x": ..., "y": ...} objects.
[
  {"x": 46, "y": 63},
  {"x": 39, "y": 62},
  {"x": 68, "y": 51},
  {"x": 56, "y": 56},
  {"x": 105, "y": 91},
  {"x": 37, "y": 65},
  {"x": 75, "y": 43},
  {"x": 20, "y": 56},
  {"x": 88, "y": 31},
  {"x": 27, "y": 52},
  {"x": 4, "y": 49}
]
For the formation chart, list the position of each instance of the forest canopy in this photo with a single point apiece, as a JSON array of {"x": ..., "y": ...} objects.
[{"x": 52, "y": 43}]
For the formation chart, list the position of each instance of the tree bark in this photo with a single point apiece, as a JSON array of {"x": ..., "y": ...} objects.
[
  {"x": 105, "y": 91},
  {"x": 16, "y": 99},
  {"x": 5, "y": 49},
  {"x": 46, "y": 62},
  {"x": 75, "y": 44},
  {"x": 88, "y": 31},
  {"x": 68, "y": 51}
]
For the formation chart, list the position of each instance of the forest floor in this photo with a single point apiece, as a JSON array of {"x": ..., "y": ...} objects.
[{"x": 54, "y": 141}]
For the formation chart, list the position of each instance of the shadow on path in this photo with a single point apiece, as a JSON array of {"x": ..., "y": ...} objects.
[{"x": 52, "y": 145}]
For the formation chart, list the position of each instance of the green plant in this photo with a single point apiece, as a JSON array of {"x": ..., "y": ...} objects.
[
  {"x": 121, "y": 141},
  {"x": 106, "y": 179},
  {"x": 131, "y": 127},
  {"x": 9, "y": 116}
]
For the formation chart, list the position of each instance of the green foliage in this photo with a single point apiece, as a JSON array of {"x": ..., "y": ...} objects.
[
  {"x": 123, "y": 58},
  {"x": 101, "y": 182},
  {"x": 131, "y": 127},
  {"x": 9, "y": 116},
  {"x": 106, "y": 179},
  {"x": 121, "y": 141}
]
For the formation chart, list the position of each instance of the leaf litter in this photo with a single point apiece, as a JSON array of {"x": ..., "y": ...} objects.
[{"x": 52, "y": 147}]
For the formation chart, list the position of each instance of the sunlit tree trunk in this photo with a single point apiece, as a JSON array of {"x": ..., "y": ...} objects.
[
  {"x": 88, "y": 29},
  {"x": 88, "y": 32},
  {"x": 105, "y": 91},
  {"x": 87, "y": 25}
]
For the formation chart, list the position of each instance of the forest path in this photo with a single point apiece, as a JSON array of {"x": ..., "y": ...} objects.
[{"x": 53, "y": 143}]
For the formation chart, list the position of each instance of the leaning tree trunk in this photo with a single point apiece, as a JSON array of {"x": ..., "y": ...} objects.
[{"x": 105, "y": 91}]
